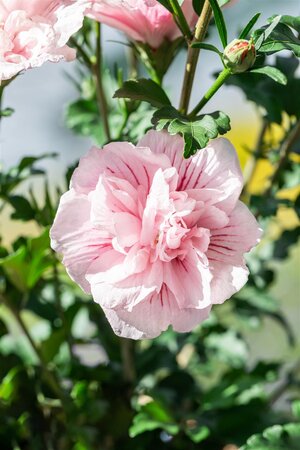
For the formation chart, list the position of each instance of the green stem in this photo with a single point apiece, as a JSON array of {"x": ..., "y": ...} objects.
[
  {"x": 211, "y": 91},
  {"x": 180, "y": 19},
  {"x": 61, "y": 312},
  {"x": 193, "y": 56},
  {"x": 81, "y": 52},
  {"x": 51, "y": 379},
  {"x": 97, "y": 70},
  {"x": 286, "y": 384}
]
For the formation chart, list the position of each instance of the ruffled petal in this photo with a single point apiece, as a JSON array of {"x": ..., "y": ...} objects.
[
  {"x": 154, "y": 315},
  {"x": 215, "y": 167},
  {"x": 73, "y": 236}
]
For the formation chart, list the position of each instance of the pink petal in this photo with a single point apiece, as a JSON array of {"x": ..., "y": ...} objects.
[
  {"x": 189, "y": 281},
  {"x": 153, "y": 315},
  {"x": 89, "y": 164},
  {"x": 73, "y": 236},
  {"x": 215, "y": 167},
  {"x": 128, "y": 291},
  {"x": 228, "y": 244},
  {"x": 227, "y": 280}
]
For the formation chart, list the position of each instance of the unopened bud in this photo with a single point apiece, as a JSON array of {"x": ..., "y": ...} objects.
[{"x": 239, "y": 55}]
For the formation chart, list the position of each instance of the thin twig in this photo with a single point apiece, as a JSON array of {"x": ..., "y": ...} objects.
[
  {"x": 280, "y": 390},
  {"x": 127, "y": 353},
  {"x": 82, "y": 53},
  {"x": 61, "y": 312},
  {"x": 193, "y": 55},
  {"x": 97, "y": 71},
  {"x": 292, "y": 137}
]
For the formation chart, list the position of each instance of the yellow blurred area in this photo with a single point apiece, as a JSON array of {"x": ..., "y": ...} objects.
[{"x": 244, "y": 139}]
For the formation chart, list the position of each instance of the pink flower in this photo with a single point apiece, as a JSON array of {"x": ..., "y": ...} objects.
[
  {"x": 155, "y": 238},
  {"x": 35, "y": 31},
  {"x": 141, "y": 20}
]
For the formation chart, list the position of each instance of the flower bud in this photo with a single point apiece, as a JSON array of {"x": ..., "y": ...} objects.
[{"x": 239, "y": 55}]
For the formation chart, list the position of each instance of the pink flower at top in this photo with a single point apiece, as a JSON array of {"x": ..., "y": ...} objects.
[
  {"x": 155, "y": 238},
  {"x": 35, "y": 31},
  {"x": 141, "y": 20}
]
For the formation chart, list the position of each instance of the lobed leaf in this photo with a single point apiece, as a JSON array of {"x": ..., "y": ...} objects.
[{"x": 196, "y": 133}]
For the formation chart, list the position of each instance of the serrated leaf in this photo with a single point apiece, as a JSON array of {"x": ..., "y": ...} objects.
[
  {"x": 273, "y": 73},
  {"x": 249, "y": 26},
  {"x": 220, "y": 22},
  {"x": 145, "y": 90},
  {"x": 196, "y": 133}
]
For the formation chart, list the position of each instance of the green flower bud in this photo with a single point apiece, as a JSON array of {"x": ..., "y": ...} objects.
[{"x": 239, "y": 55}]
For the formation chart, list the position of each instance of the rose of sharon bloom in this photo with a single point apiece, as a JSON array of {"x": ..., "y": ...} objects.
[
  {"x": 155, "y": 238},
  {"x": 141, "y": 20},
  {"x": 35, "y": 31}
]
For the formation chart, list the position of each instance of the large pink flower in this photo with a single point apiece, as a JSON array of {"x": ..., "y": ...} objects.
[
  {"x": 155, "y": 238},
  {"x": 141, "y": 20},
  {"x": 35, "y": 31}
]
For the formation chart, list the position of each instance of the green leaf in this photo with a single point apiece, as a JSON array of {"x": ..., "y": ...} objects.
[
  {"x": 198, "y": 5},
  {"x": 291, "y": 21},
  {"x": 282, "y": 39},
  {"x": 145, "y": 90},
  {"x": 223, "y": 2},
  {"x": 8, "y": 385},
  {"x": 265, "y": 32},
  {"x": 23, "y": 210},
  {"x": 227, "y": 347},
  {"x": 273, "y": 73},
  {"x": 220, "y": 22},
  {"x": 296, "y": 409},
  {"x": 276, "y": 37},
  {"x": 152, "y": 416},
  {"x": 197, "y": 434},
  {"x": 83, "y": 118},
  {"x": 277, "y": 437},
  {"x": 7, "y": 112},
  {"x": 244, "y": 34},
  {"x": 25, "y": 266},
  {"x": 259, "y": 299},
  {"x": 273, "y": 97},
  {"x": 196, "y": 133},
  {"x": 205, "y": 46},
  {"x": 286, "y": 240}
]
